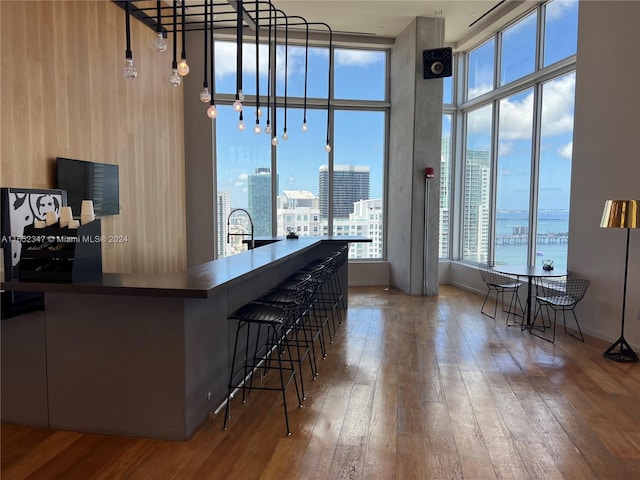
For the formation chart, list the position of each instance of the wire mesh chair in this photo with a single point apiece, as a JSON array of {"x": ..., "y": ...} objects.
[
  {"x": 501, "y": 284},
  {"x": 559, "y": 296}
]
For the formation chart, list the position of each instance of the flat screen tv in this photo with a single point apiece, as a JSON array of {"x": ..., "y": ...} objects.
[{"x": 84, "y": 180}]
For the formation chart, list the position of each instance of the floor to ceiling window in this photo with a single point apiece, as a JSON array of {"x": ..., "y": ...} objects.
[
  {"x": 516, "y": 151},
  {"x": 296, "y": 185}
]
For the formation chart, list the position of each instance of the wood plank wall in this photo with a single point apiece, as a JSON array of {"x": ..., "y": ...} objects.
[{"x": 62, "y": 94}]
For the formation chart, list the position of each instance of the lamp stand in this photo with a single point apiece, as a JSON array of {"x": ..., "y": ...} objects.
[{"x": 625, "y": 353}]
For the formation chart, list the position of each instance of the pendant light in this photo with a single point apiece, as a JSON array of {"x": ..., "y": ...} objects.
[
  {"x": 175, "y": 79},
  {"x": 327, "y": 146},
  {"x": 212, "y": 111},
  {"x": 237, "y": 105},
  {"x": 205, "y": 95},
  {"x": 257, "y": 129},
  {"x": 267, "y": 128},
  {"x": 183, "y": 66},
  {"x": 160, "y": 44},
  {"x": 285, "y": 135},
  {"x": 129, "y": 70},
  {"x": 306, "y": 76}
]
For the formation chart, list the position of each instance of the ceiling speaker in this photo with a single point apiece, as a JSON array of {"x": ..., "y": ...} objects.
[{"x": 437, "y": 62}]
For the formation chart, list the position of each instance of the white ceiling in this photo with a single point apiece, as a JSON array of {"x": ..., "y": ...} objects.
[{"x": 388, "y": 18}]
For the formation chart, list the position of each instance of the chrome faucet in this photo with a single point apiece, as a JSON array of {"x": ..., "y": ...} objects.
[{"x": 229, "y": 234}]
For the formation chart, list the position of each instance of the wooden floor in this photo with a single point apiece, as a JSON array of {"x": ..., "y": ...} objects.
[{"x": 413, "y": 388}]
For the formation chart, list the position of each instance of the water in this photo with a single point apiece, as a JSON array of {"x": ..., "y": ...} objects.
[{"x": 548, "y": 222}]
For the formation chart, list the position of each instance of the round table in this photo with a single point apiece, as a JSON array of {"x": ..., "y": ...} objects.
[{"x": 530, "y": 273}]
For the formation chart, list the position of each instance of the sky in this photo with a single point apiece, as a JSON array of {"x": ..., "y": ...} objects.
[{"x": 359, "y": 136}]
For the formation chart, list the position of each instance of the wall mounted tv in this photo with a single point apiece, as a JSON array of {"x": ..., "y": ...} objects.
[{"x": 84, "y": 180}]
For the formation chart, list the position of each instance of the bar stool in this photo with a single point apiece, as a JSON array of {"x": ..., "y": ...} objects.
[
  {"x": 278, "y": 320},
  {"x": 303, "y": 332}
]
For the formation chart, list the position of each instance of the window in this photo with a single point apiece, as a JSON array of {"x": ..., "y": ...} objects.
[
  {"x": 358, "y": 174},
  {"x": 561, "y": 30},
  {"x": 556, "y": 148},
  {"x": 293, "y": 177},
  {"x": 360, "y": 74},
  {"x": 518, "y": 49},
  {"x": 477, "y": 185},
  {"x": 518, "y": 142},
  {"x": 513, "y": 185},
  {"x": 480, "y": 70},
  {"x": 445, "y": 186}
]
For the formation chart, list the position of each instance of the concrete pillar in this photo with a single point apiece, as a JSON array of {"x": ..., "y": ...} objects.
[{"x": 415, "y": 136}]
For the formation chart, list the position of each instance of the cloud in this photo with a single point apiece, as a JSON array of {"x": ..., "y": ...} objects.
[
  {"x": 238, "y": 184},
  {"x": 226, "y": 59},
  {"x": 243, "y": 176},
  {"x": 558, "y": 98},
  {"x": 556, "y": 9},
  {"x": 516, "y": 118},
  {"x": 566, "y": 151},
  {"x": 507, "y": 172},
  {"x": 505, "y": 148},
  {"x": 357, "y": 58}
]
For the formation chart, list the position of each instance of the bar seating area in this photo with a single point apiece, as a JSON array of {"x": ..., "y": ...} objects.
[{"x": 277, "y": 331}]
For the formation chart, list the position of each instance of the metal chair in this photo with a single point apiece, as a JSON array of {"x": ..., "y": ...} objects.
[
  {"x": 269, "y": 326},
  {"x": 500, "y": 283},
  {"x": 559, "y": 296}
]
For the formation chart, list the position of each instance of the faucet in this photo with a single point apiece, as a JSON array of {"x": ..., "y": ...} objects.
[{"x": 229, "y": 234}]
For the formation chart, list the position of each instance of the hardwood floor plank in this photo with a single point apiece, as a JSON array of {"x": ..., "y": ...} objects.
[{"x": 412, "y": 388}]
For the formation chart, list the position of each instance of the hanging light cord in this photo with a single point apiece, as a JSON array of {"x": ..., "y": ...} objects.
[
  {"x": 159, "y": 17},
  {"x": 213, "y": 56},
  {"x": 183, "y": 54},
  {"x": 174, "y": 64},
  {"x": 257, "y": 63},
  {"x": 128, "y": 54},
  {"x": 239, "y": 31},
  {"x": 286, "y": 69},
  {"x": 306, "y": 72},
  {"x": 205, "y": 84}
]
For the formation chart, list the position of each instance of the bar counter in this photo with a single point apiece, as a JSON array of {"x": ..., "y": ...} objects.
[{"x": 138, "y": 355}]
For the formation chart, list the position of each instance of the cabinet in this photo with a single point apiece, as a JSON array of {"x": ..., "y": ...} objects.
[{"x": 55, "y": 254}]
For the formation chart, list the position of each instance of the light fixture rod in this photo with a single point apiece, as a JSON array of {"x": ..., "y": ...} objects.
[{"x": 128, "y": 54}]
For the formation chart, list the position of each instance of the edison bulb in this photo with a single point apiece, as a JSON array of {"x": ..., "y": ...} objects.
[
  {"x": 129, "y": 71},
  {"x": 257, "y": 128},
  {"x": 259, "y": 112},
  {"x": 240, "y": 95},
  {"x": 285, "y": 136},
  {"x": 174, "y": 78},
  {"x": 237, "y": 106},
  {"x": 305, "y": 127},
  {"x": 212, "y": 111},
  {"x": 241, "y": 125},
  {"x": 183, "y": 67},
  {"x": 160, "y": 44},
  {"x": 327, "y": 148},
  {"x": 267, "y": 129},
  {"x": 274, "y": 141},
  {"x": 205, "y": 95}
]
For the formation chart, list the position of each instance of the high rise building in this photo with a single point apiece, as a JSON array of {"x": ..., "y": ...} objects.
[
  {"x": 476, "y": 205},
  {"x": 259, "y": 204},
  {"x": 350, "y": 185}
]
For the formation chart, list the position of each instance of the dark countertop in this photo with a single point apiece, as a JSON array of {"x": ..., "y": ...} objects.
[{"x": 195, "y": 282}]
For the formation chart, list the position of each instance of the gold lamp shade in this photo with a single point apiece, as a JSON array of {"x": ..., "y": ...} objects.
[{"x": 621, "y": 214}]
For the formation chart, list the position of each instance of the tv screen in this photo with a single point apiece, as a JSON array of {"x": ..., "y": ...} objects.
[{"x": 89, "y": 181}]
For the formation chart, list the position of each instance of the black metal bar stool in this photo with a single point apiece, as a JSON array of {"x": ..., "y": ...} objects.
[
  {"x": 303, "y": 332},
  {"x": 253, "y": 318}
]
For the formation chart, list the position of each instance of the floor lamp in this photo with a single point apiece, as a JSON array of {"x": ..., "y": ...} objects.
[{"x": 622, "y": 214}]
